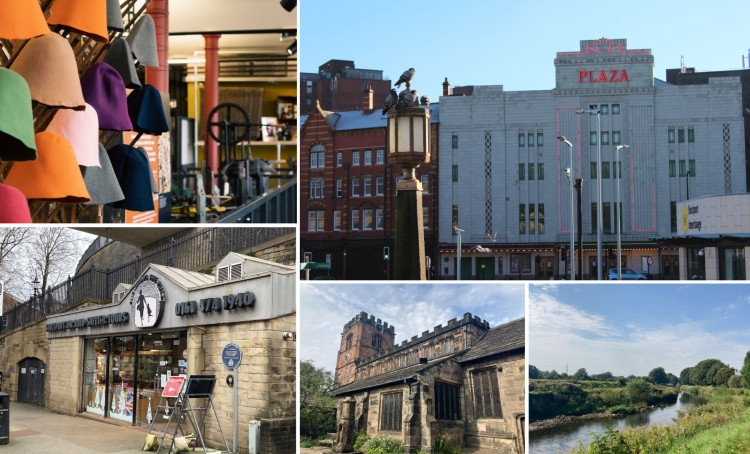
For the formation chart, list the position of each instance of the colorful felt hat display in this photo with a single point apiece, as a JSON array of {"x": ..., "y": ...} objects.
[
  {"x": 131, "y": 169},
  {"x": 81, "y": 128},
  {"x": 87, "y": 17},
  {"x": 22, "y": 19},
  {"x": 120, "y": 57},
  {"x": 49, "y": 67},
  {"x": 13, "y": 206},
  {"x": 104, "y": 89},
  {"x": 154, "y": 187},
  {"x": 146, "y": 111},
  {"x": 142, "y": 40},
  {"x": 16, "y": 119},
  {"x": 114, "y": 16},
  {"x": 101, "y": 182},
  {"x": 54, "y": 176}
]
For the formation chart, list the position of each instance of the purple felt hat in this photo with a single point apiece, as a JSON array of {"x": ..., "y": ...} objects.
[{"x": 104, "y": 89}]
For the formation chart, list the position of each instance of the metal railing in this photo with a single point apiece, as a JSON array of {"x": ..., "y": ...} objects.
[{"x": 191, "y": 252}]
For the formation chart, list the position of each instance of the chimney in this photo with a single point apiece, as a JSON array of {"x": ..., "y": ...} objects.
[
  {"x": 446, "y": 88},
  {"x": 367, "y": 98}
]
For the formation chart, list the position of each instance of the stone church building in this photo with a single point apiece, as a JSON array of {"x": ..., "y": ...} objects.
[{"x": 464, "y": 381}]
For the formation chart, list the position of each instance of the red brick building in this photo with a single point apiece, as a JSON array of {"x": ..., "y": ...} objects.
[
  {"x": 348, "y": 189},
  {"x": 338, "y": 85}
]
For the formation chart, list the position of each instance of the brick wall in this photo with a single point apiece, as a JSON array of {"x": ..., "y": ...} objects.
[{"x": 278, "y": 436}]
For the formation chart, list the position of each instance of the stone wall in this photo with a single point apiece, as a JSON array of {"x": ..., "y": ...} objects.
[
  {"x": 29, "y": 342},
  {"x": 266, "y": 376},
  {"x": 63, "y": 381},
  {"x": 500, "y": 435}
]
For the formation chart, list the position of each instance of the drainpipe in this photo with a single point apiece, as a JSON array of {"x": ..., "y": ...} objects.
[{"x": 466, "y": 339}]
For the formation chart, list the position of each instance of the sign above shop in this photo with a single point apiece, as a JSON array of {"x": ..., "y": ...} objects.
[
  {"x": 231, "y": 356},
  {"x": 147, "y": 299},
  {"x": 208, "y": 305},
  {"x": 100, "y": 320}
]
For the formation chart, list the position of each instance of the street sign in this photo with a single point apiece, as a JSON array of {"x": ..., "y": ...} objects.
[
  {"x": 314, "y": 266},
  {"x": 172, "y": 387},
  {"x": 231, "y": 356}
]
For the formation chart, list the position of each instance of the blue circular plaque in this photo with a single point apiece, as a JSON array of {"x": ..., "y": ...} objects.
[{"x": 231, "y": 356}]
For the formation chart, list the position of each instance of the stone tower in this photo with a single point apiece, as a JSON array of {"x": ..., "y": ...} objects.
[{"x": 362, "y": 337}]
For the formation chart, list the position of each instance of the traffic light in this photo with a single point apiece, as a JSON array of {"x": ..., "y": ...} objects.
[{"x": 386, "y": 252}]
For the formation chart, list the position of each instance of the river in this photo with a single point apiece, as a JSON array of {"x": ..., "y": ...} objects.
[{"x": 562, "y": 438}]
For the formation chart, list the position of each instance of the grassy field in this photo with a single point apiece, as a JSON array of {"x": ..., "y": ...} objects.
[
  {"x": 551, "y": 398},
  {"x": 722, "y": 425}
]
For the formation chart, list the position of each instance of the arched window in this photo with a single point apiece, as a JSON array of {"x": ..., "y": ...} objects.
[
  {"x": 317, "y": 157},
  {"x": 348, "y": 342}
]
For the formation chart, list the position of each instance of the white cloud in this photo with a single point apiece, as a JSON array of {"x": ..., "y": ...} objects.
[{"x": 561, "y": 334}]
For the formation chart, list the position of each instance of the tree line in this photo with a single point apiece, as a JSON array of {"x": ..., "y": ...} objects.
[{"x": 709, "y": 372}]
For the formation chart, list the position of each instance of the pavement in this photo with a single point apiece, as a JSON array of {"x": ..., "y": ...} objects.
[{"x": 34, "y": 430}]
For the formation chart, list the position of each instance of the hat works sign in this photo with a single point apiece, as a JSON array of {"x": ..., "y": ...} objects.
[
  {"x": 208, "y": 305},
  {"x": 147, "y": 299},
  {"x": 95, "y": 321}
]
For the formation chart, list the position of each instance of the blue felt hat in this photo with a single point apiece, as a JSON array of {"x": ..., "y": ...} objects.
[
  {"x": 132, "y": 171},
  {"x": 146, "y": 111}
]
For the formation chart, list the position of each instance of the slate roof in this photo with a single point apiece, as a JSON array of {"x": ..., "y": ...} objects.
[
  {"x": 358, "y": 119},
  {"x": 183, "y": 278},
  {"x": 388, "y": 378},
  {"x": 500, "y": 339}
]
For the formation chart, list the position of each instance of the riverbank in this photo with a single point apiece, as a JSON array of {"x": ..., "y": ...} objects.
[{"x": 721, "y": 425}]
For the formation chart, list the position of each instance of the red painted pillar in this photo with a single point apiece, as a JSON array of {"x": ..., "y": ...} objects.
[
  {"x": 159, "y": 77},
  {"x": 211, "y": 97}
]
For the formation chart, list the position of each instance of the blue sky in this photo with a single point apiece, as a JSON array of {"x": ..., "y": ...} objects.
[
  {"x": 513, "y": 43},
  {"x": 631, "y": 329},
  {"x": 410, "y": 308}
]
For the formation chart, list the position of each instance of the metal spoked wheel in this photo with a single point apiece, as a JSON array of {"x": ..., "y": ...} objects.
[{"x": 229, "y": 132}]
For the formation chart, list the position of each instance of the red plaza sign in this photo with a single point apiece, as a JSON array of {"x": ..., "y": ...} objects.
[{"x": 610, "y": 75}]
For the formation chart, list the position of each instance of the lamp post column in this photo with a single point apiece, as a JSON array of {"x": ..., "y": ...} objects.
[
  {"x": 408, "y": 132},
  {"x": 571, "y": 180},
  {"x": 599, "y": 195},
  {"x": 619, "y": 211}
]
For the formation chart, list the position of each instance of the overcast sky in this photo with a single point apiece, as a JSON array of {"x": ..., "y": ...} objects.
[
  {"x": 631, "y": 329},
  {"x": 411, "y": 308},
  {"x": 513, "y": 44}
]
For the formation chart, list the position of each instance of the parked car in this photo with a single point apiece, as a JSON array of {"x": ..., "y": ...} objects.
[{"x": 627, "y": 274}]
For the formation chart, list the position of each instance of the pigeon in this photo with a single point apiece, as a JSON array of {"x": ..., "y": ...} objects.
[
  {"x": 406, "y": 77},
  {"x": 414, "y": 103},
  {"x": 405, "y": 99},
  {"x": 390, "y": 100},
  {"x": 425, "y": 101},
  {"x": 493, "y": 238},
  {"x": 480, "y": 248}
]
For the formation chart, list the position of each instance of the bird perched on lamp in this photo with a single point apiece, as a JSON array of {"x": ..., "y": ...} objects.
[
  {"x": 415, "y": 102},
  {"x": 405, "y": 77},
  {"x": 390, "y": 100},
  {"x": 425, "y": 101},
  {"x": 480, "y": 248},
  {"x": 405, "y": 99}
]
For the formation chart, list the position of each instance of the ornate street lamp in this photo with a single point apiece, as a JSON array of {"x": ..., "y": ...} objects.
[{"x": 408, "y": 142}]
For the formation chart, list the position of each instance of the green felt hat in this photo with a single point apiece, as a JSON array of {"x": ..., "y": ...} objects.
[{"x": 16, "y": 120}]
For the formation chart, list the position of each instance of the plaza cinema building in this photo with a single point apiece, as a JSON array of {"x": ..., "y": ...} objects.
[
  {"x": 112, "y": 361},
  {"x": 502, "y": 173}
]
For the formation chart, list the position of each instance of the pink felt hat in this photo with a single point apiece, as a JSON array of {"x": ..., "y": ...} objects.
[
  {"x": 13, "y": 206},
  {"x": 81, "y": 128}
]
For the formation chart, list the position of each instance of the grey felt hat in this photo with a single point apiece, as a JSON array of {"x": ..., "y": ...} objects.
[
  {"x": 120, "y": 57},
  {"x": 114, "y": 16},
  {"x": 154, "y": 188},
  {"x": 101, "y": 182},
  {"x": 142, "y": 40}
]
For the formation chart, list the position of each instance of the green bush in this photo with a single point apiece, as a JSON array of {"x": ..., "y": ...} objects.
[
  {"x": 382, "y": 444},
  {"x": 362, "y": 438},
  {"x": 443, "y": 445}
]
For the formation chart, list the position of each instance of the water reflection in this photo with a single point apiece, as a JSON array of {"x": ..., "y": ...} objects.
[{"x": 562, "y": 438}]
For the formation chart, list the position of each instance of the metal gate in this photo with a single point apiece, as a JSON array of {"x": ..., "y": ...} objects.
[{"x": 31, "y": 381}]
